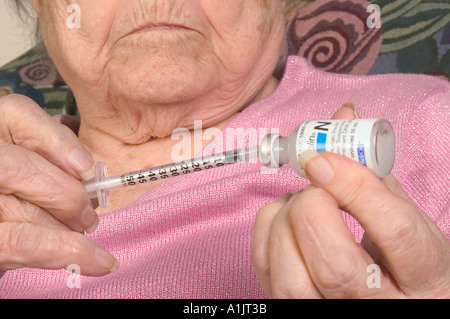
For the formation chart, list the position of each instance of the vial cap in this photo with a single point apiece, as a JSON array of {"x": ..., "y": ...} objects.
[
  {"x": 268, "y": 150},
  {"x": 384, "y": 141}
]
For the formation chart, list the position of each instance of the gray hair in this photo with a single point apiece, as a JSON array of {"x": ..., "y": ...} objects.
[
  {"x": 24, "y": 10},
  {"x": 26, "y": 14}
]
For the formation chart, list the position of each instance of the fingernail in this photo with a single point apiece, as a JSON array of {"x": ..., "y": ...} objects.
[
  {"x": 316, "y": 167},
  {"x": 89, "y": 219},
  {"x": 106, "y": 260},
  {"x": 82, "y": 162},
  {"x": 353, "y": 107}
]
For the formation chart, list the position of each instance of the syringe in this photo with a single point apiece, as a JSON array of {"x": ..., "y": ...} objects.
[
  {"x": 100, "y": 186},
  {"x": 371, "y": 142}
]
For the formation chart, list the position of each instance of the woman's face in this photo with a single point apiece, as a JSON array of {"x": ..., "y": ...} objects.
[{"x": 165, "y": 51}]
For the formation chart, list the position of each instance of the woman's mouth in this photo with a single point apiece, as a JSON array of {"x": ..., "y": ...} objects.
[{"x": 160, "y": 27}]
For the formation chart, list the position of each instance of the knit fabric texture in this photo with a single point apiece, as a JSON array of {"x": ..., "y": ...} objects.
[{"x": 191, "y": 236}]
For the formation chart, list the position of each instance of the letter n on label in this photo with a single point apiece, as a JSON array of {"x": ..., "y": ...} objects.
[{"x": 322, "y": 126}]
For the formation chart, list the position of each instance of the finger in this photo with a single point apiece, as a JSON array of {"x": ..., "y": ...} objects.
[
  {"x": 370, "y": 248},
  {"x": 394, "y": 224},
  {"x": 34, "y": 246},
  {"x": 260, "y": 248},
  {"x": 24, "y": 123},
  {"x": 14, "y": 209},
  {"x": 396, "y": 188},
  {"x": 336, "y": 263},
  {"x": 27, "y": 175},
  {"x": 346, "y": 111},
  {"x": 289, "y": 277}
]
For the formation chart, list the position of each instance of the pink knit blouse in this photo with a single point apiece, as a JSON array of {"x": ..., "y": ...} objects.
[{"x": 191, "y": 236}]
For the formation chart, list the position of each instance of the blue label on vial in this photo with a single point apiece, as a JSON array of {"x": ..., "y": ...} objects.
[
  {"x": 321, "y": 142},
  {"x": 361, "y": 154}
]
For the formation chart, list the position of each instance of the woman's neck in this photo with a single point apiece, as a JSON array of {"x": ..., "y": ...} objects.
[{"x": 121, "y": 157}]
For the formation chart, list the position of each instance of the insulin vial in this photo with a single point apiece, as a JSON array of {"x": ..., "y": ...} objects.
[{"x": 370, "y": 142}]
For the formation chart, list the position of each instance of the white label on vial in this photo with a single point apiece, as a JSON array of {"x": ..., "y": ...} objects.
[{"x": 350, "y": 138}]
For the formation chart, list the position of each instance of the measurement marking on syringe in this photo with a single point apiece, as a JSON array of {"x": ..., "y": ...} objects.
[{"x": 167, "y": 171}]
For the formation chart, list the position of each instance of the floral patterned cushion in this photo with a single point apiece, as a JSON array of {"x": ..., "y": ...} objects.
[{"x": 339, "y": 36}]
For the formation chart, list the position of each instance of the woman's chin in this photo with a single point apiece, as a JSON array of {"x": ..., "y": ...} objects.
[{"x": 155, "y": 87}]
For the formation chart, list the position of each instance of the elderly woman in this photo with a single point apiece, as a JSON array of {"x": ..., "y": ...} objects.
[{"x": 140, "y": 70}]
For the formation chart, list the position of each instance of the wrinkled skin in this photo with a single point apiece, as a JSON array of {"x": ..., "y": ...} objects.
[{"x": 139, "y": 70}]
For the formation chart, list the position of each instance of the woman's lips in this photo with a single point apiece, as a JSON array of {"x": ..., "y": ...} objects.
[{"x": 160, "y": 27}]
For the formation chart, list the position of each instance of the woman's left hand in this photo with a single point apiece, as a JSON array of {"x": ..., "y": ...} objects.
[{"x": 302, "y": 247}]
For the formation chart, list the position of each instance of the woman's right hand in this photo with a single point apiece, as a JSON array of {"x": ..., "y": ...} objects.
[{"x": 44, "y": 208}]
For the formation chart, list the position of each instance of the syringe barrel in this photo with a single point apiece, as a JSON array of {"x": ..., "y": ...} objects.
[
  {"x": 100, "y": 186},
  {"x": 177, "y": 169}
]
